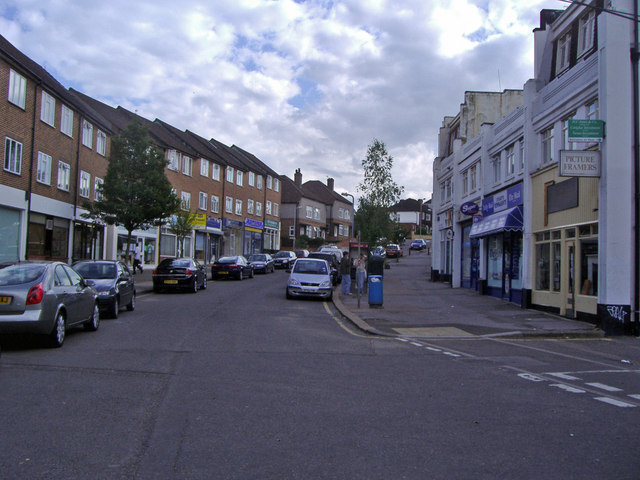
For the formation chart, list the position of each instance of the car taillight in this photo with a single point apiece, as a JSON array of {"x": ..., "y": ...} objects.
[
  {"x": 35, "y": 295},
  {"x": 188, "y": 272},
  {"x": 155, "y": 272}
]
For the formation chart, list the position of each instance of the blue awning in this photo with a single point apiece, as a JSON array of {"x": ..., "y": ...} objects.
[{"x": 505, "y": 221}]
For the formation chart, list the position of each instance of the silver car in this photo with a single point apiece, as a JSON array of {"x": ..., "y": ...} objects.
[
  {"x": 310, "y": 277},
  {"x": 45, "y": 298}
]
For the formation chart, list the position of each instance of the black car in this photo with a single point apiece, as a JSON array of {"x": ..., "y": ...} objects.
[
  {"x": 232, "y": 267},
  {"x": 261, "y": 262},
  {"x": 284, "y": 259},
  {"x": 179, "y": 273},
  {"x": 334, "y": 263},
  {"x": 113, "y": 281}
]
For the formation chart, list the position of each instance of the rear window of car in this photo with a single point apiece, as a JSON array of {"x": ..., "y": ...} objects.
[
  {"x": 96, "y": 271},
  {"x": 307, "y": 267},
  {"x": 228, "y": 260},
  {"x": 19, "y": 274},
  {"x": 257, "y": 258},
  {"x": 175, "y": 263}
]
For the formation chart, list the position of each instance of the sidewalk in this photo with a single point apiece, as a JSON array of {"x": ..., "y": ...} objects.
[{"x": 413, "y": 306}]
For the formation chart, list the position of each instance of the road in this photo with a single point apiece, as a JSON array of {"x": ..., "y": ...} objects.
[{"x": 236, "y": 382}]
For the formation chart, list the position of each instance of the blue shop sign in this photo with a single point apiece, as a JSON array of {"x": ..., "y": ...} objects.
[
  {"x": 249, "y": 222},
  {"x": 509, "y": 198},
  {"x": 230, "y": 223},
  {"x": 214, "y": 223}
]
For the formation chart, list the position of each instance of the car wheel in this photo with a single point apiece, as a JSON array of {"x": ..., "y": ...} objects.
[
  {"x": 288, "y": 295},
  {"x": 330, "y": 297},
  {"x": 94, "y": 322},
  {"x": 131, "y": 306},
  {"x": 194, "y": 287},
  {"x": 59, "y": 330},
  {"x": 115, "y": 308},
  {"x": 240, "y": 275},
  {"x": 156, "y": 289},
  {"x": 251, "y": 274},
  {"x": 204, "y": 283}
]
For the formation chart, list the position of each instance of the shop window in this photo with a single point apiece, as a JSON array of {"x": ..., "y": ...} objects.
[
  {"x": 542, "y": 266},
  {"x": 10, "y": 226},
  {"x": 557, "y": 258},
  {"x": 589, "y": 266},
  {"x": 167, "y": 243},
  {"x": 494, "y": 266}
]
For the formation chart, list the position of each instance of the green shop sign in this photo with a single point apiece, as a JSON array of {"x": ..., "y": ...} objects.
[{"x": 586, "y": 130}]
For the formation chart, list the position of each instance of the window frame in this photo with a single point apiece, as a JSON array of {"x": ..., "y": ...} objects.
[
  {"x": 185, "y": 200},
  {"x": 239, "y": 178},
  {"x": 84, "y": 189},
  {"x": 203, "y": 197},
  {"x": 563, "y": 52},
  {"x": 48, "y": 109},
  {"x": 238, "y": 207},
  {"x": 101, "y": 142},
  {"x": 13, "y": 156},
  {"x": 64, "y": 176},
  {"x": 204, "y": 167},
  {"x": 215, "y": 203},
  {"x": 87, "y": 134},
  {"x": 230, "y": 174},
  {"x": 97, "y": 193},
  {"x": 66, "y": 121},
  {"x": 173, "y": 160},
  {"x": 187, "y": 166},
  {"x": 586, "y": 33},
  {"x": 548, "y": 145},
  {"x": 215, "y": 171},
  {"x": 17, "y": 89},
  {"x": 228, "y": 204},
  {"x": 43, "y": 171}
]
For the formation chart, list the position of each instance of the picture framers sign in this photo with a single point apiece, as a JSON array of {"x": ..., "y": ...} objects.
[
  {"x": 576, "y": 163},
  {"x": 586, "y": 130}
]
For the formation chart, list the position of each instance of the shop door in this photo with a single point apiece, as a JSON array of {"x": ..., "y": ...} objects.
[
  {"x": 506, "y": 262},
  {"x": 569, "y": 289}
]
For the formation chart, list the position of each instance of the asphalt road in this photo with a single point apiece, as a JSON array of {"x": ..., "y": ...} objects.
[{"x": 236, "y": 382}]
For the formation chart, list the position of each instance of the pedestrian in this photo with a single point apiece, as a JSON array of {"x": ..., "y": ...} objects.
[
  {"x": 361, "y": 272},
  {"x": 345, "y": 272},
  {"x": 137, "y": 258}
]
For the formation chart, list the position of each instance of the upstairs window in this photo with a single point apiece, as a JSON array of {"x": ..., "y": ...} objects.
[
  {"x": 48, "y": 109},
  {"x": 85, "y": 184},
  {"x": 566, "y": 144},
  {"x": 17, "y": 89},
  {"x": 186, "y": 201},
  {"x": 230, "y": 174},
  {"x": 215, "y": 171},
  {"x": 269, "y": 182},
  {"x": 267, "y": 210},
  {"x": 497, "y": 168},
  {"x": 204, "y": 167},
  {"x": 259, "y": 182},
  {"x": 252, "y": 179},
  {"x": 465, "y": 182},
  {"x": 309, "y": 212},
  {"x": 44, "y": 168},
  {"x": 473, "y": 177},
  {"x": 586, "y": 32},
  {"x": 228, "y": 204},
  {"x": 64, "y": 175},
  {"x": 238, "y": 207},
  {"x": 239, "y": 178},
  {"x": 101, "y": 143},
  {"x": 187, "y": 165},
  {"x": 563, "y": 53},
  {"x": 12, "y": 156},
  {"x": 259, "y": 209},
  {"x": 511, "y": 160},
  {"x": 173, "y": 160},
  {"x": 66, "y": 121},
  {"x": 87, "y": 134},
  {"x": 547, "y": 146},
  {"x": 592, "y": 110},
  {"x": 250, "y": 206},
  {"x": 276, "y": 210},
  {"x": 215, "y": 204},
  {"x": 202, "y": 201},
  {"x": 276, "y": 184},
  {"x": 97, "y": 189}
]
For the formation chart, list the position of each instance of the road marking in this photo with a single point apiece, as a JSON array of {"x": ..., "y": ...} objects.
[
  {"x": 613, "y": 401},
  {"x": 452, "y": 354},
  {"x": 566, "y": 388},
  {"x": 531, "y": 376},
  {"x": 635, "y": 395},
  {"x": 602, "y": 386},
  {"x": 433, "y": 349},
  {"x": 563, "y": 376},
  {"x": 342, "y": 324},
  {"x": 417, "y": 344}
]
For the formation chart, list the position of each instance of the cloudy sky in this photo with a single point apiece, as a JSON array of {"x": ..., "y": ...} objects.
[{"x": 301, "y": 84}]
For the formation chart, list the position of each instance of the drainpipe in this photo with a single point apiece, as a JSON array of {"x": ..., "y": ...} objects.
[{"x": 33, "y": 146}]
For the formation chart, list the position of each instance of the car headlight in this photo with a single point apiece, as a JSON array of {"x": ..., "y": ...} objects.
[
  {"x": 293, "y": 282},
  {"x": 326, "y": 283}
]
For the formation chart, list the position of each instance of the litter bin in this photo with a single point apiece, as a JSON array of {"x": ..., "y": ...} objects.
[
  {"x": 375, "y": 290},
  {"x": 375, "y": 266}
]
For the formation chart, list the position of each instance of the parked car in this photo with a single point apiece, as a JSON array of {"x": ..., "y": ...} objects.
[
  {"x": 301, "y": 253},
  {"x": 113, "y": 281},
  {"x": 334, "y": 264},
  {"x": 393, "y": 250},
  {"x": 284, "y": 259},
  {"x": 332, "y": 249},
  {"x": 262, "y": 262},
  {"x": 236, "y": 267},
  {"x": 179, "y": 273},
  {"x": 418, "y": 244},
  {"x": 378, "y": 251},
  {"x": 310, "y": 277},
  {"x": 46, "y": 298}
]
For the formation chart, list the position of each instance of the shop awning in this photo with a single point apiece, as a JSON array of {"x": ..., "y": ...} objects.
[{"x": 505, "y": 221}]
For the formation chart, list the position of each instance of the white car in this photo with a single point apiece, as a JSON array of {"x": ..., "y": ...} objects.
[
  {"x": 332, "y": 249},
  {"x": 310, "y": 277}
]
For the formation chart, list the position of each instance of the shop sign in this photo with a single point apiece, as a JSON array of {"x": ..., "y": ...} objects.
[
  {"x": 469, "y": 208},
  {"x": 268, "y": 223},
  {"x": 230, "y": 223},
  {"x": 586, "y": 130},
  {"x": 576, "y": 163},
  {"x": 251, "y": 223},
  {"x": 199, "y": 221},
  {"x": 214, "y": 223},
  {"x": 509, "y": 198}
]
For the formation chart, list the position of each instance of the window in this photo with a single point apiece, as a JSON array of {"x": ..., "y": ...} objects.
[
  {"x": 316, "y": 214},
  {"x": 511, "y": 160},
  {"x": 465, "y": 182},
  {"x": 87, "y": 134},
  {"x": 547, "y": 146},
  {"x": 292, "y": 231},
  {"x": 449, "y": 189},
  {"x": 174, "y": 160},
  {"x": 252, "y": 179},
  {"x": 215, "y": 171},
  {"x": 340, "y": 230},
  {"x": 521, "y": 147},
  {"x": 186, "y": 200},
  {"x": 64, "y": 175},
  {"x": 239, "y": 177},
  {"x": 473, "y": 177},
  {"x": 347, "y": 214},
  {"x": 215, "y": 204},
  {"x": 97, "y": 189},
  {"x": 238, "y": 207},
  {"x": 276, "y": 210},
  {"x": 17, "y": 89},
  {"x": 496, "y": 162},
  {"x": 586, "y": 30},
  {"x": 85, "y": 184},
  {"x": 66, "y": 121},
  {"x": 276, "y": 184},
  {"x": 187, "y": 165},
  {"x": 259, "y": 182},
  {"x": 592, "y": 110},
  {"x": 443, "y": 191},
  {"x": 230, "y": 174},
  {"x": 250, "y": 206},
  {"x": 228, "y": 204},
  {"x": 268, "y": 208},
  {"x": 101, "y": 143},
  {"x": 566, "y": 144},
  {"x": 259, "y": 209},
  {"x": 204, "y": 167},
  {"x": 48, "y": 109},
  {"x": 270, "y": 182},
  {"x": 202, "y": 200},
  {"x": 12, "y": 156},
  {"x": 309, "y": 212},
  {"x": 563, "y": 53},
  {"x": 44, "y": 168}
]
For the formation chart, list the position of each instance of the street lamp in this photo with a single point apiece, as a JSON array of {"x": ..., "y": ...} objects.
[{"x": 353, "y": 202}]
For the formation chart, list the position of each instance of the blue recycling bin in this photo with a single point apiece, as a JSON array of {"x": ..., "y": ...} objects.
[{"x": 375, "y": 290}]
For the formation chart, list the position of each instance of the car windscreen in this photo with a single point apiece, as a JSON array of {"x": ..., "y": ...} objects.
[
  {"x": 312, "y": 268},
  {"x": 257, "y": 258},
  {"x": 96, "y": 271},
  {"x": 282, "y": 255},
  {"x": 18, "y": 274},
  {"x": 228, "y": 260}
]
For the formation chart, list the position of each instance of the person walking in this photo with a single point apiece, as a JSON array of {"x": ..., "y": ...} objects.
[
  {"x": 345, "y": 272},
  {"x": 137, "y": 258},
  {"x": 361, "y": 272}
]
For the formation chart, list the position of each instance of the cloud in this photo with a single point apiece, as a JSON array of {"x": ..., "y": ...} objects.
[{"x": 299, "y": 84}]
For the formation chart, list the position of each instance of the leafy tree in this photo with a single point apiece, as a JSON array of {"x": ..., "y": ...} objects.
[
  {"x": 181, "y": 226},
  {"x": 379, "y": 194},
  {"x": 136, "y": 192}
]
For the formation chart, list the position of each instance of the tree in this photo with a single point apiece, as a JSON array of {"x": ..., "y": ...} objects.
[
  {"x": 379, "y": 194},
  {"x": 181, "y": 226},
  {"x": 136, "y": 192}
]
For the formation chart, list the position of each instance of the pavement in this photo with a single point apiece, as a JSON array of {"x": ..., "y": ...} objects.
[{"x": 415, "y": 307}]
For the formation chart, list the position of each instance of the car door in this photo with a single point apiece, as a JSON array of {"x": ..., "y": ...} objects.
[
  {"x": 125, "y": 283},
  {"x": 81, "y": 297},
  {"x": 64, "y": 291}
]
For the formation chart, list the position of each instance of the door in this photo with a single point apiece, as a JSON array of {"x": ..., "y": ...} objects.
[
  {"x": 569, "y": 287},
  {"x": 506, "y": 264}
]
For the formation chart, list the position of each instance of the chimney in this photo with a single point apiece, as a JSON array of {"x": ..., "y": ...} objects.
[
  {"x": 297, "y": 177},
  {"x": 330, "y": 183}
]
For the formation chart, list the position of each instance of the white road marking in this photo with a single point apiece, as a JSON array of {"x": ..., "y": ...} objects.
[
  {"x": 451, "y": 354},
  {"x": 566, "y": 388},
  {"x": 613, "y": 401},
  {"x": 635, "y": 395},
  {"x": 532, "y": 377},
  {"x": 563, "y": 376},
  {"x": 417, "y": 344},
  {"x": 433, "y": 349},
  {"x": 602, "y": 386}
]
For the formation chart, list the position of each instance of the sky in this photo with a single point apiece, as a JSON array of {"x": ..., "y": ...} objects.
[{"x": 305, "y": 84}]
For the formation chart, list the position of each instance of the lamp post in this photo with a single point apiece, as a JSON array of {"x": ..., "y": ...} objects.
[{"x": 353, "y": 202}]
